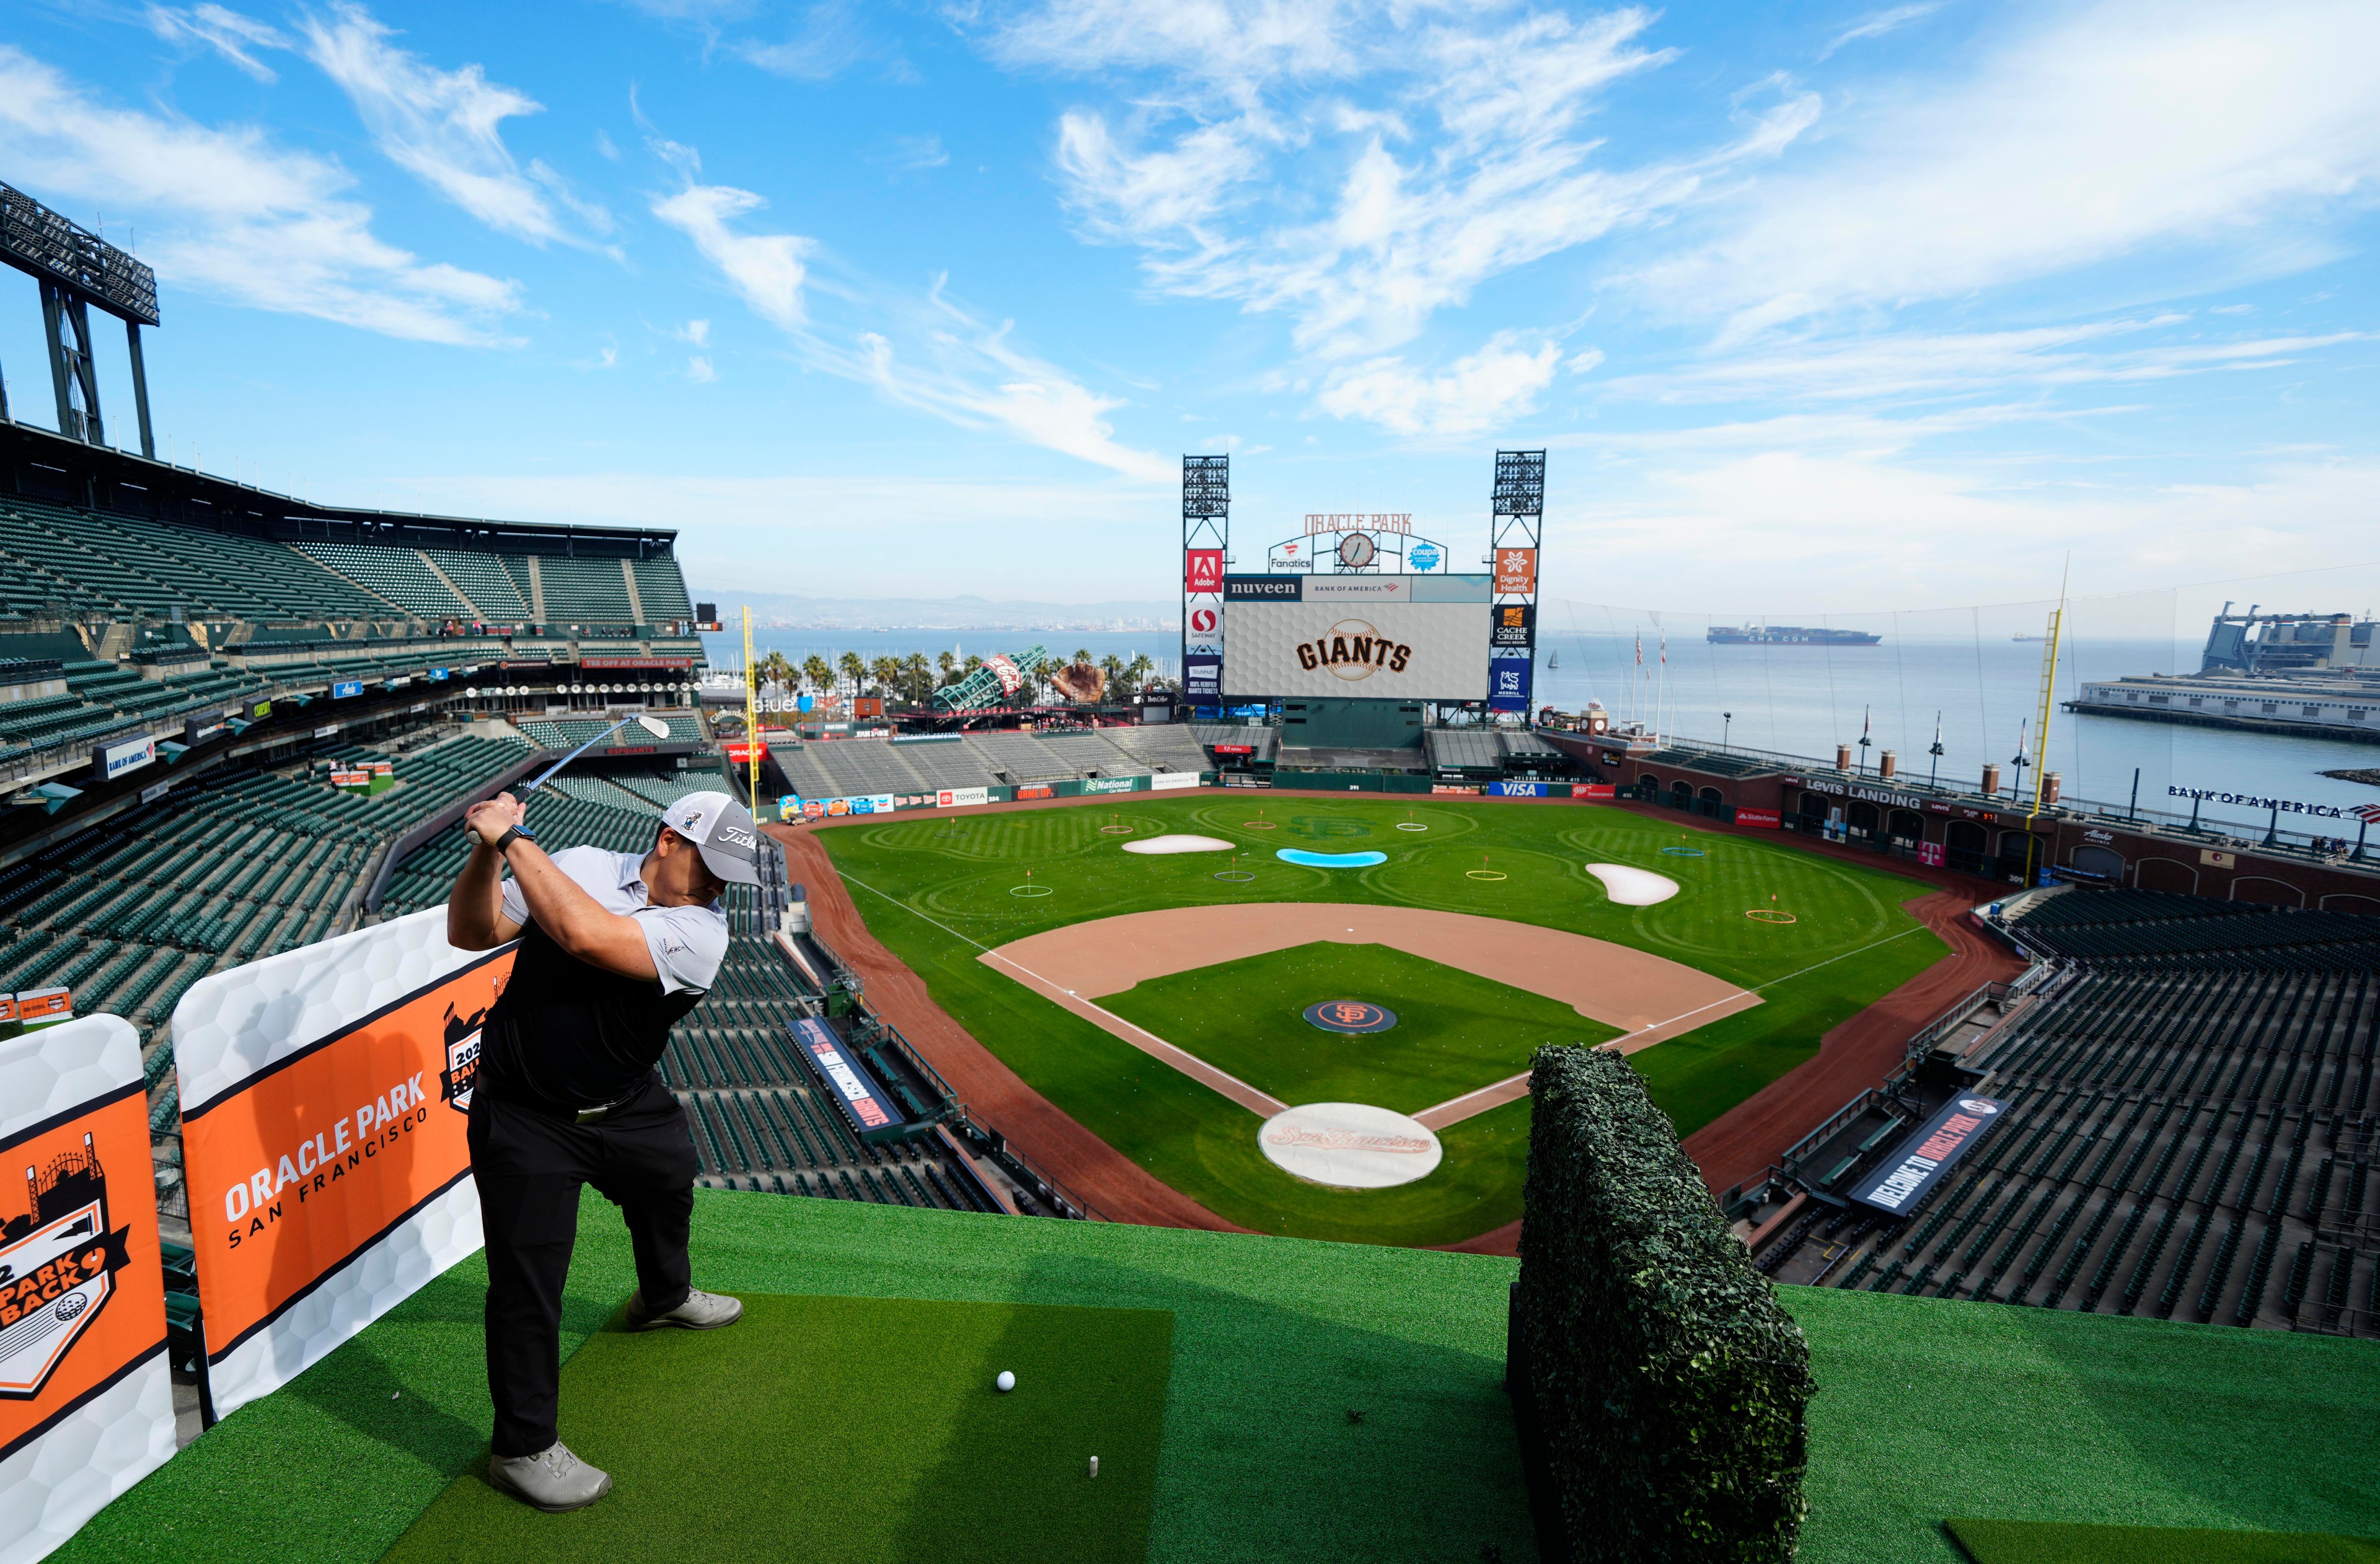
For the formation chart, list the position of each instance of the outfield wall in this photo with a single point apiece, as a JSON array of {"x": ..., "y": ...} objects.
[{"x": 794, "y": 807}]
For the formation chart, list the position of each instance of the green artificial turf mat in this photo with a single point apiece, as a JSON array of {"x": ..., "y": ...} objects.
[
  {"x": 935, "y": 890},
  {"x": 834, "y": 1429},
  {"x": 1455, "y": 1032},
  {"x": 2040, "y": 1542},
  {"x": 1928, "y": 1408}
]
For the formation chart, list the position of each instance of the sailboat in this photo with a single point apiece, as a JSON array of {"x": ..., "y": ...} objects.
[{"x": 1554, "y": 660}]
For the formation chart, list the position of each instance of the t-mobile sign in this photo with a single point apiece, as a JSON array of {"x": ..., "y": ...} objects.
[{"x": 1925, "y": 1156}]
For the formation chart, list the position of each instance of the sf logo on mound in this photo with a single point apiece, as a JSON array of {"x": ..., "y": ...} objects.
[{"x": 1350, "y": 1015}]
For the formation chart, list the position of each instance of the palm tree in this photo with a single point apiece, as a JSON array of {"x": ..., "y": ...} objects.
[
  {"x": 780, "y": 671},
  {"x": 917, "y": 678},
  {"x": 1136, "y": 672},
  {"x": 885, "y": 672},
  {"x": 1043, "y": 671},
  {"x": 1112, "y": 666},
  {"x": 816, "y": 670},
  {"x": 1082, "y": 654},
  {"x": 852, "y": 669}
]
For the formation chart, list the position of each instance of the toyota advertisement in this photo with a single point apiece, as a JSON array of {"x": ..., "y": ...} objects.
[{"x": 1373, "y": 637}]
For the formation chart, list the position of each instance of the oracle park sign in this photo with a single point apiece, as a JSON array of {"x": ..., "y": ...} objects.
[{"x": 1897, "y": 1187}]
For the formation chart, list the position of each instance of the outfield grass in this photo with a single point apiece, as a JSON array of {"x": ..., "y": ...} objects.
[
  {"x": 1455, "y": 1032},
  {"x": 845, "y": 1431},
  {"x": 936, "y": 891},
  {"x": 2049, "y": 1542},
  {"x": 1925, "y": 1408}
]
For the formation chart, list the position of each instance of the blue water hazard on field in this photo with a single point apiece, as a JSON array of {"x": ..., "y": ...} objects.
[{"x": 1331, "y": 860}]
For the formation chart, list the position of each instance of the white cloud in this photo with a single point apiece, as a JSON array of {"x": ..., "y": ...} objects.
[
  {"x": 445, "y": 128},
  {"x": 698, "y": 370},
  {"x": 695, "y": 331},
  {"x": 1755, "y": 519},
  {"x": 2126, "y": 128},
  {"x": 235, "y": 37},
  {"x": 912, "y": 154},
  {"x": 1584, "y": 361},
  {"x": 1969, "y": 364},
  {"x": 1879, "y": 24},
  {"x": 971, "y": 374},
  {"x": 765, "y": 270},
  {"x": 227, "y": 211},
  {"x": 1499, "y": 382},
  {"x": 948, "y": 363},
  {"x": 1349, "y": 167},
  {"x": 827, "y": 41}
]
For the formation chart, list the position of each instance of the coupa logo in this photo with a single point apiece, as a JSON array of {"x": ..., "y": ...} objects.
[{"x": 57, "y": 1267}]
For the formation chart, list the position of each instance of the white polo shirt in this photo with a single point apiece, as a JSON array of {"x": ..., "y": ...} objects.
[{"x": 687, "y": 943}]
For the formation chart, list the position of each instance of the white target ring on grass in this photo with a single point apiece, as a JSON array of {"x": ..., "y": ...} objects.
[
  {"x": 1030, "y": 890},
  {"x": 1350, "y": 1145}
]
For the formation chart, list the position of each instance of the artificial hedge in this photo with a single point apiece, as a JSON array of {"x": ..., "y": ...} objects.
[{"x": 1661, "y": 1381}]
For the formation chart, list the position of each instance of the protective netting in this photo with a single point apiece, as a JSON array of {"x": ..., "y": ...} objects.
[{"x": 1968, "y": 680}]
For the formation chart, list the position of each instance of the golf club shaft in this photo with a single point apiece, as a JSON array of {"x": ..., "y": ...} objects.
[{"x": 547, "y": 774}]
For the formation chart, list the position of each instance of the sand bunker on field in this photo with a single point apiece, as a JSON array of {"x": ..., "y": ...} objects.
[
  {"x": 1180, "y": 844},
  {"x": 1633, "y": 886}
]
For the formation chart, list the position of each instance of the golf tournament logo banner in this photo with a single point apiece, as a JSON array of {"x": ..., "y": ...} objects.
[
  {"x": 86, "y": 1391},
  {"x": 324, "y": 1099}
]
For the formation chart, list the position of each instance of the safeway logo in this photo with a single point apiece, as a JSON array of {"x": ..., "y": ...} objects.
[{"x": 1203, "y": 620}]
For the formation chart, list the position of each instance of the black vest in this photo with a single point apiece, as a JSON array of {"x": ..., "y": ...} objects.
[{"x": 568, "y": 1035}]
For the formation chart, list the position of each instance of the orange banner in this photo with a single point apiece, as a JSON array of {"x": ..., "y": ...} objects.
[
  {"x": 82, "y": 1289},
  {"x": 309, "y": 1163},
  {"x": 1516, "y": 570}
]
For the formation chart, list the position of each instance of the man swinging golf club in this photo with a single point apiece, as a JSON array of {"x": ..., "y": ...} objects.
[{"x": 614, "y": 949}]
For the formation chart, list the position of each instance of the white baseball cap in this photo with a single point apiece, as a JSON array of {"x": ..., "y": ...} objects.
[{"x": 721, "y": 830}]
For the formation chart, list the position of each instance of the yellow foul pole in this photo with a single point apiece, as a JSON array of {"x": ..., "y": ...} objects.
[
  {"x": 751, "y": 720},
  {"x": 2041, "y": 726}
]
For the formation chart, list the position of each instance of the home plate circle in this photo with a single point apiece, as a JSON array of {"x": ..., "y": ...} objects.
[{"x": 1350, "y": 1145}]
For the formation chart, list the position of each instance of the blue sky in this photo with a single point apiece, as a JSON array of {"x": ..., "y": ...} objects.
[{"x": 1816, "y": 306}]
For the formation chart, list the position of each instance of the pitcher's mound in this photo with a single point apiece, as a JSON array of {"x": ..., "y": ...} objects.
[{"x": 1180, "y": 844}]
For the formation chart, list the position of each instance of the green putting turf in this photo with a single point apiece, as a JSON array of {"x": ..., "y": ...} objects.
[
  {"x": 2037, "y": 1542},
  {"x": 1454, "y": 1033},
  {"x": 1925, "y": 1408},
  {"x": 833, "y": 1429},
  {"x": 935, "y": 891}
]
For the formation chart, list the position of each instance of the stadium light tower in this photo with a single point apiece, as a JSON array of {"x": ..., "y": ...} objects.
[
  {"x": 1206, "y": 555},
  {"x": 1519, "y": 510},
  {"x": 76, "y": 271}
]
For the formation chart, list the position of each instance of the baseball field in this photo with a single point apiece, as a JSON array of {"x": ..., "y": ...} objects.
[{"x": 1160, "y": 997}]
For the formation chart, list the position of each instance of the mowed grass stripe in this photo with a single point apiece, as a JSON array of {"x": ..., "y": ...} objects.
[{"x": 955, "y": 874}]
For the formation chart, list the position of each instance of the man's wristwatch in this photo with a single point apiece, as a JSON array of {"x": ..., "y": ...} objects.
[{"x": 517, "y": 833}]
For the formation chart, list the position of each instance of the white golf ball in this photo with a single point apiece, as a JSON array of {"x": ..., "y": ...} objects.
[{"x": 1006, "y": 1381}]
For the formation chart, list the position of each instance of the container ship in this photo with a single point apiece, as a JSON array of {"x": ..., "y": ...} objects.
[{"x": 1787, "y": 635}]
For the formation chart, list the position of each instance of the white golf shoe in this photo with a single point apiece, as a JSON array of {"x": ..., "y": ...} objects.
[
  {"x": 701, "y": 1311},
  {"x": 552, "y": 1479}
]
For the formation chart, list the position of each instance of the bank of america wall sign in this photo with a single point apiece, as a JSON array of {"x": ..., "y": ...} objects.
[
  {"x": 57, "y": 1268},
  {"x": 1351, "y": 1015}
]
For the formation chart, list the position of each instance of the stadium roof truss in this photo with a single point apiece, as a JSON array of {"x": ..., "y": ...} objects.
[{"x": 75, "y": 270}]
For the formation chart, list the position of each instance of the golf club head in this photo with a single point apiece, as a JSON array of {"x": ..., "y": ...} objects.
[{"x": 654, "y": 726}]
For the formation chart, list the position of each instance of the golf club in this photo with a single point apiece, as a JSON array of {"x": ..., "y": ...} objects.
[{"x": 652, "y": 725}]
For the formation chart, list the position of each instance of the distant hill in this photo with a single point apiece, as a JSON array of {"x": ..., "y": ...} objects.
[{"x": 937, "y": 613}]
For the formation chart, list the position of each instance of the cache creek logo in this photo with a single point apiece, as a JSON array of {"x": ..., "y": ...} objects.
[{"x": 1353, "y": 650}]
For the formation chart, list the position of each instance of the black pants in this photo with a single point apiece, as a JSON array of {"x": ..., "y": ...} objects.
[{"x": 530, "y": 1167}]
